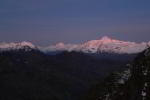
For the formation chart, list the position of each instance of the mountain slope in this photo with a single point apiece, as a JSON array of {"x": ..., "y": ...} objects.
[
  {"x": 33, "y": 75},
  {"x": 133, "y": 83}
]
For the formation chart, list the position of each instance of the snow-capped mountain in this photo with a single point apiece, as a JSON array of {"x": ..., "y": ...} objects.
[
  {"x": 59, "y": 47},
  {"x": 27, "y": 46},
  {"x": 105, "y": 44}
]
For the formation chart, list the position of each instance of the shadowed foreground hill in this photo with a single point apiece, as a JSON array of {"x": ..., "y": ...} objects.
[
  {"x": 33, "y": 75},
  {"x": 133, "y": 83}
]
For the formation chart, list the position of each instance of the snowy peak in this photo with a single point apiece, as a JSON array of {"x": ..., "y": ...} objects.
[
  {"x": 29, "y": 44},
  {"x": 60, "y": 44},
  {"x": 104, "y": 44},
  {"x": 106, "y": 39},
  {"x": 16, "y": 46}
]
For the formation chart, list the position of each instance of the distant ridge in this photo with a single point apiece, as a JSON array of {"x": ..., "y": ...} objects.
[
  {"x": 104, "y": 44},
  {"x": 17, "y": 46}
]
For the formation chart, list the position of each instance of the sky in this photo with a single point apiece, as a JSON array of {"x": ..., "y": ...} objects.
[{"x": 46, "y": 22}]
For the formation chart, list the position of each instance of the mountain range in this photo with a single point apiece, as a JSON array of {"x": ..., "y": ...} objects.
[
  {"x": 104, "y": 69},
  {"x": 28, "y": 74},
  {"x": 104, "y": 44}
]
